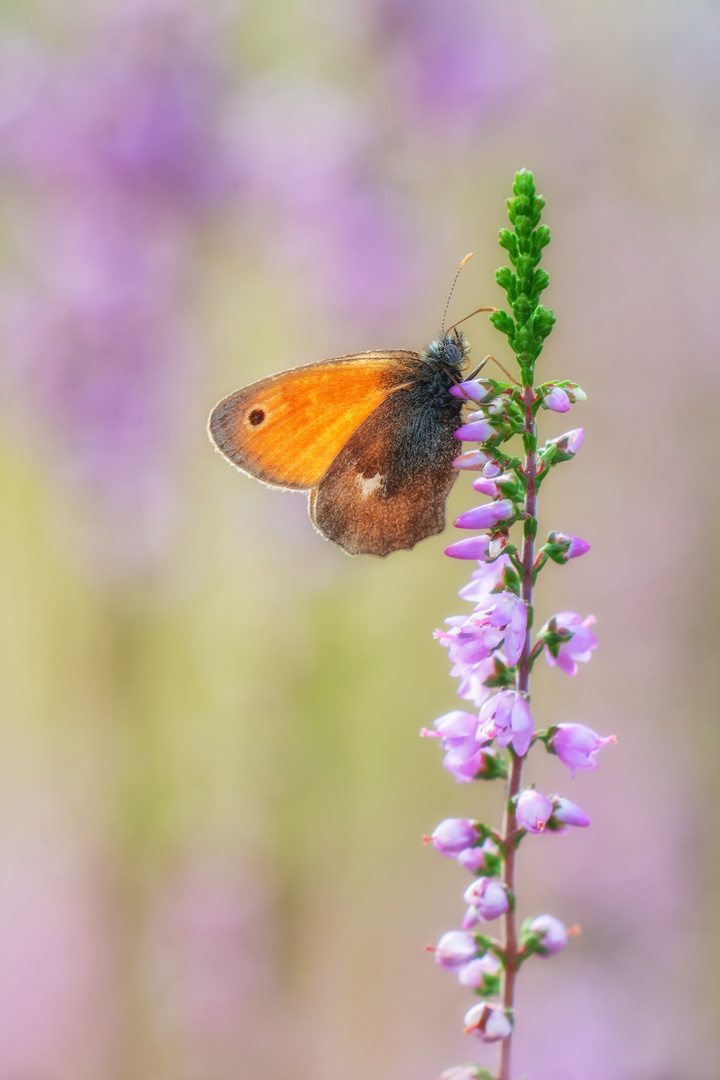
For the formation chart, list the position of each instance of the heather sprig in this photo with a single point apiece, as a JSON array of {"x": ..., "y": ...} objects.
[{"x": 492, "y": 649}]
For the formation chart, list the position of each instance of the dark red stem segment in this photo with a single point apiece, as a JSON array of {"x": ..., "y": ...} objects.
[{"x": 510, "y": 941}]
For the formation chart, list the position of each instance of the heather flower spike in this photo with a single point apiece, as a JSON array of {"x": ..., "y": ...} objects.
[{"x": 492, "y": 650}]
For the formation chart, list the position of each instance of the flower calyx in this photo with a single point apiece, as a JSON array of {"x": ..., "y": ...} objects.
[
  {"x": 561, "y": 547},
  {"x": 544, "y": 936},
  {"x": 558, "y": 396},
  {"x": 562, "y": 448},
  {"x": 568, "y": 640}
]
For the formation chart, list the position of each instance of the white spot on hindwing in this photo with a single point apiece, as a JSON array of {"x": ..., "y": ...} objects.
[{"x": 369, "y": 484}]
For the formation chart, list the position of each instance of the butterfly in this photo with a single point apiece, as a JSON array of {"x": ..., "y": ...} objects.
[{"x": 370, "y": 436}]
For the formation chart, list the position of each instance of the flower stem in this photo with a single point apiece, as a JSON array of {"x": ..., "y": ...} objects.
[{"x": 510, "y": 942}]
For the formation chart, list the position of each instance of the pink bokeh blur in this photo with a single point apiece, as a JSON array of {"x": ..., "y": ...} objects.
[{"x": 212, "y": 792}]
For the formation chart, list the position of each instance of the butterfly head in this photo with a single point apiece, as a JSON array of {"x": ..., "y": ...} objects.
[{"x": 448, "y": 352}]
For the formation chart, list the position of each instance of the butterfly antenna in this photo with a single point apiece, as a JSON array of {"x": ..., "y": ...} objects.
[
  {"x": 452, "y": 289},
  {"x": 476, "y": 312}
]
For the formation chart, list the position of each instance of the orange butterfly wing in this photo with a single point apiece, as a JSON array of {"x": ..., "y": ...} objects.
[{"x": 287, "y": 430}]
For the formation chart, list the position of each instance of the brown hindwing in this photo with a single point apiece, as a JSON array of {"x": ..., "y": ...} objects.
[{"x": 386, "y": 489}]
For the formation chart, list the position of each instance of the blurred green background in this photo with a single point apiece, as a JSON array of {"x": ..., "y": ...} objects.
[{"x": 212, "y": 793}]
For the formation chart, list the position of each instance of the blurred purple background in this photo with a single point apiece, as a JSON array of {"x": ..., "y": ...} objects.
[{"x": 212, "y": 792}]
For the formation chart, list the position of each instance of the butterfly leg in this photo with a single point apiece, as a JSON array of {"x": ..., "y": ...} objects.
[{"x": 503, "y": 369}]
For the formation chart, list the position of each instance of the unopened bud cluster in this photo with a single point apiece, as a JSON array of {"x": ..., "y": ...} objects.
[{"x": 492, "y": 648}]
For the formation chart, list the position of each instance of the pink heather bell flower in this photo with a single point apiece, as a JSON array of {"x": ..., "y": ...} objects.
[
  {"x": 487, "y": 1021},
  {"x": 502, "y": 486},
  {"x": 465, "y": 758},
  {"x": 475, "y": 859},
  {"x": 470, "y": 639},
  {"x": 481, "y": 547},
  {"x": 532, "y": 810},
  {"x": 498, "y": 610},
  {"x": 577, "y": 745},
  {"x": 487, "y": 516},
  {"x": 561, "y": 547},
  {"x": 473, "y": 459},
  {"x": 474, "y": 389},
  {"x": 515, "y": 631},
  {"x": 466, "y": 763},
  {"x": 454, "y": 728},
  {"x": 472, "y": 859},
  {"x": 473, "y": 676},
  {"x": 473, "y": 974},
  {"x": 571, "y": 391},
  {"x": 487, "y": 899},
  {"x": 487, "y": 486},
  {"x": 454, "y": 835},
  {"x": 506, "y": 718},
  {"x": 474, "y": 637},
  {"x": 575, "y": 439},
  {"x": 485, "y": 581},
  {"x": 566, "y": 813},
  {"x": 557, "y": 400},
  {"x": 567, "y": 444},
  {"x": 552, "y": 933},
  {"x": 476, "y": 431},
  {"x": 492, "y": 469},
  {"x": 577, "y": 646},
  {"x": 455, "y": 949}
]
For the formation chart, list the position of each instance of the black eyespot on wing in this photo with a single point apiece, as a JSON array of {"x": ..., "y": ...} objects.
[{"x": 256, "y": 417}]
